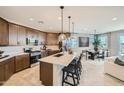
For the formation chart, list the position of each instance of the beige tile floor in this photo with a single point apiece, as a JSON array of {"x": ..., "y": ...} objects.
[{"x": 92, "y": 75}]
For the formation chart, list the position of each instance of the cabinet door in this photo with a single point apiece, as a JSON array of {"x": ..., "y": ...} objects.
[
  {"x": 22, "y": 62},
  {"x": 9, "y": 68},
  {"x": 4, "y": 34},
  {"x": 26, "y": 61},
  {"x": 52, "y": 38},
  {"x": 18, "y": 63},
  {"x": 1, "y": 72},
  {"x": 41, "y": 38},
  {"x": 21, "y": 36},
  {"x": 13, "y": 30}
]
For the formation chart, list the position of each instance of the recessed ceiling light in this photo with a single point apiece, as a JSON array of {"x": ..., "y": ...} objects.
[
  {"x": 31, "y": 19},
  {"x": 114, "y": 18}
]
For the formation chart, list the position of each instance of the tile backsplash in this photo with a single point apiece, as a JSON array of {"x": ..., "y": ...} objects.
[
  {"x": 16, "y": 49},
  {"x": 19, "y": 49}
]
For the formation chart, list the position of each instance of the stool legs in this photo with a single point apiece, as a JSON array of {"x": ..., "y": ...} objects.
[
  {"x": 73, "y": 80},
  {"x": 63, "y": 78}
]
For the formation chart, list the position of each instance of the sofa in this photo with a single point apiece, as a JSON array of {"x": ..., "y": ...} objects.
[{"x": 113, "y": 69}]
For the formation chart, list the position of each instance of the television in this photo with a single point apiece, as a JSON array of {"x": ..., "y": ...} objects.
[{"x": 83, "y": 41}]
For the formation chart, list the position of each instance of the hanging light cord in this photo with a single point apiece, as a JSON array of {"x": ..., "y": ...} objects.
[
  {"x": 62, "y": 7},
  {"x": 73, "y": 27},
  {"x": 69, "y": 17}
]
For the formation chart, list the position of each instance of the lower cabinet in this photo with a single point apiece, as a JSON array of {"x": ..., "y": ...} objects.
[
  {"x": 22, "y": 62},
  {"x": 2, "y": 75},
  {"x": 6, "y": 69},
  {"x": 51, "y": 52},
  {"x": 9, "y": 68}
]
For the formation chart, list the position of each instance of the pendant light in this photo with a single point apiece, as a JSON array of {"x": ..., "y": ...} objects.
[
  {"x": 62, "y": 36},
  {"x": 69, "y": 17}
]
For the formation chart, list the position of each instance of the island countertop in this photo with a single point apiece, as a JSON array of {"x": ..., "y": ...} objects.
[{"x": 63, "y": 60}]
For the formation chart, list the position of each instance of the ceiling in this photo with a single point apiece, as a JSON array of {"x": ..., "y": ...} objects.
[{"x": 86, "y": 18}]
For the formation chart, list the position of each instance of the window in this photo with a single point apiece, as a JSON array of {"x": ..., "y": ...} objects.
[
  {"x": 122, "y": 45},
  {"x": 74, "y": 42},
  {"x": 103, "y": 41},
  {"x": 91, "y": 38}
]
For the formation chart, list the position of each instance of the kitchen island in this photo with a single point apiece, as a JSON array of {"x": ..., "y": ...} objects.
[{"x": 51, "y": 68}]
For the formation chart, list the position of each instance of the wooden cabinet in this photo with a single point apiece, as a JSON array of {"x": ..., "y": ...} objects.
[
  {"x": 21, "y": 36},
  {"x": 52, "y": 39},
  {"x": 31, "y": 33},
  {"x": 4, "y": 33},
  {"x": 51, "y": 52},
  {"x": 17, "y": 34},
  {"x": 13, "y": 34},
  {"x": 46, "y": 73},
  {"x": 2, "y": 76},
  {"x": 22, "y": 62},
  {"x": 41, "y": 38},
  {"x": 9, "y": 68},
  {"x": 6, "y": 69}
]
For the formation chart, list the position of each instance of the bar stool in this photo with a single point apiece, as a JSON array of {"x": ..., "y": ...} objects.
[
  {"x": 79, "y": 63},
  {"x": 72, "y": 70}
]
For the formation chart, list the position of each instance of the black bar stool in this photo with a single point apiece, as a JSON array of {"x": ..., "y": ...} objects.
[{"x": 73, "y": 70}]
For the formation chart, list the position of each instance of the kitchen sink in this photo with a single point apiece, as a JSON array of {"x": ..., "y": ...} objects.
[{"x": 58, "y": 55}]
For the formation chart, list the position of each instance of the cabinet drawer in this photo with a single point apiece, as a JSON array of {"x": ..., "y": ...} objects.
[{"x": 6, "y": 69}]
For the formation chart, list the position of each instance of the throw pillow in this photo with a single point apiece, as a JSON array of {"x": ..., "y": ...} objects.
[{"x": 119, "y": 62}]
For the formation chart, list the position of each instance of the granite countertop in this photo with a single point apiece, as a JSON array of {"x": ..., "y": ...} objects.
[
  {"x": 12, "y": 55},
  {"x": 64, "y": 60}
]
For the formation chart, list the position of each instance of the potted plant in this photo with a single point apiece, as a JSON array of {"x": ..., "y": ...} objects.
[{"x": 96, "y": 42}]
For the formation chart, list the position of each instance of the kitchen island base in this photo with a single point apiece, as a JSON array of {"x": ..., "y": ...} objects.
[{"x": 50, "y": 74}]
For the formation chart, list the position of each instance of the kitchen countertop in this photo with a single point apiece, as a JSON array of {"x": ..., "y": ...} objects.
[
  {"x": 12, "y": 55},
  {"x": 63, "y": 60}
]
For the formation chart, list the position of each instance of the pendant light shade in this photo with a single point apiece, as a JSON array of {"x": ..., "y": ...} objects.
[
  {"x": 62, "y": 35},
  {"x": 69, "y": 17}
]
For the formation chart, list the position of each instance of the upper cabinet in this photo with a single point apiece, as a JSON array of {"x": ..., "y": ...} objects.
[
  {"x": 4, "y": 34},
  {"x": 13, "y": 32},
  {"x": 52, "y": 39},
  {"x": 32, "y": 34},
  {"x": 17, "y": 35},
  {"x": 41, "y": 38},
  {"x": 22, "y": 36}
]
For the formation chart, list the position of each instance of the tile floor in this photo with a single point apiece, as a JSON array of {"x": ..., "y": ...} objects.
[{"x": 92, "y": 75}]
